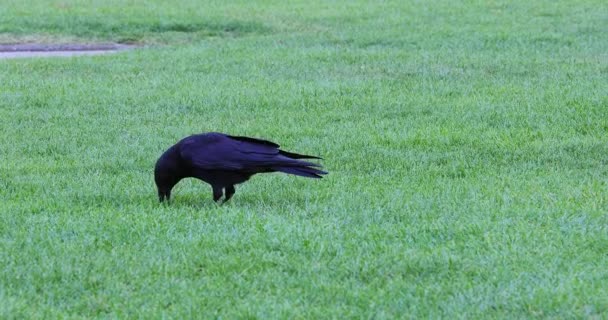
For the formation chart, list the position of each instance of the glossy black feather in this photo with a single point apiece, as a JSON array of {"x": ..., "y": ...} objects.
[{"x": 224, "y": 161}]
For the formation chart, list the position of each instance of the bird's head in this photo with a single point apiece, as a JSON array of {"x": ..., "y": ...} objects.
[
  {"x": 164, "y": 184},
  {"x": 166, "y": 176}
]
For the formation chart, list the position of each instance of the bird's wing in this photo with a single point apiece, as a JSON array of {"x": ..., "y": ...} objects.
[
  {"x": 254, "y": 141},
  {"x": 215, "y": 151}
]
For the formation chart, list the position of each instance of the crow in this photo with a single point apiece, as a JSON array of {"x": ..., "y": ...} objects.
[{"x": 223, "y": 160}]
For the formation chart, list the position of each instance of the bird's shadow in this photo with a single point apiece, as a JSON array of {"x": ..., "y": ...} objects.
[
  {"x": 119, "y": 201},
  {"x": 201, "y": 202},
  {"x": 191, "y": 200},
  {"x": 249, "y": 201}
]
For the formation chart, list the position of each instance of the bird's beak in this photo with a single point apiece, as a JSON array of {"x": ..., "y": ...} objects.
[{"x": 162, "y": 196}]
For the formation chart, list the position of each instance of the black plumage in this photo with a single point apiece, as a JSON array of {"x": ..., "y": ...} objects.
[{"x": 223, "y": 161}]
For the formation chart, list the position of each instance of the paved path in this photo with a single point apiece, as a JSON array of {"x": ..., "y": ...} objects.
[{"x": 58, "y": 50}]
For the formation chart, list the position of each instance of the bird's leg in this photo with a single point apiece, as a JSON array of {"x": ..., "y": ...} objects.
[
  {"x": 229, "y": 192},
  {"x": 217, "y": 193}
]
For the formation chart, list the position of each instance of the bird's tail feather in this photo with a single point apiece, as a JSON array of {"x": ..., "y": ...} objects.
[
  {"x": 297, "y": 155},
  {"x": 301, "y": 171}
]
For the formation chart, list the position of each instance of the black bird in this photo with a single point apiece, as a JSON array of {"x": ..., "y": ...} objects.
[{"x": 222, "y": 161}]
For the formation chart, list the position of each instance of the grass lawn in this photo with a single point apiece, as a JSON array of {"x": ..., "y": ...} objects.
[{"x": 467, "y": 145}]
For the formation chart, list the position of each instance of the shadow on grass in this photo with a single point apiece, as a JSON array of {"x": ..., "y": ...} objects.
[
  {"x": 245, "y": 200},
  {"x": 191, "y": 201}
]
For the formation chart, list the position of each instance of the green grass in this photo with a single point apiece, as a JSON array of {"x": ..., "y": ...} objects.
[{"x": 467, "y": 144}]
